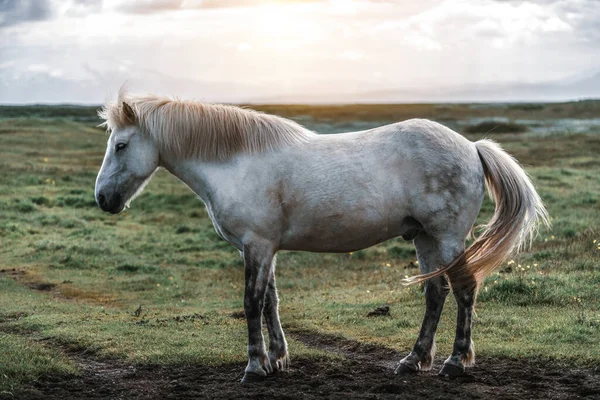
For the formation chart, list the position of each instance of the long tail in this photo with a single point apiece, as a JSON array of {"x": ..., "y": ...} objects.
[{"x": 518, "y": 215}]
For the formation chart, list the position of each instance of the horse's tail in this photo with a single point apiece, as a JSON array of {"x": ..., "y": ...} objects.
[{"x": 519, "y": 212}]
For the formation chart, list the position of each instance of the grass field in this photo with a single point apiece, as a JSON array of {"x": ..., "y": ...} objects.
[{"x": 155, "y": 284}]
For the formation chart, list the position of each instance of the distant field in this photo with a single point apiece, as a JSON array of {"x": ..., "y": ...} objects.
[
  {"x": 558, "y": 118},
  {"x": 156, "y": 286}
]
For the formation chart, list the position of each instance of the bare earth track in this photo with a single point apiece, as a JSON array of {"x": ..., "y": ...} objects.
[{"x": 366, "y": 372}]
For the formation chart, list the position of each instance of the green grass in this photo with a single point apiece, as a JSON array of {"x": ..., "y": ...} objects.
[
  {"x": 163, "y": 254},
  {"x": 24, "y": 360}
]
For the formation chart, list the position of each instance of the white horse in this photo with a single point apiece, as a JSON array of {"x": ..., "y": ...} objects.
[{"x": 269, "y": 184}]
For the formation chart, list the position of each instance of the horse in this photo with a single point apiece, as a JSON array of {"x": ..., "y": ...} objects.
[{"x": 269, "y": 184}]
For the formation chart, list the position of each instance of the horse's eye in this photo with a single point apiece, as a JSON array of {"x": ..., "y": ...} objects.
[{"x": 120, "y": 146}]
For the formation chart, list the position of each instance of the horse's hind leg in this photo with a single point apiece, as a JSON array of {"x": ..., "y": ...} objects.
[
  {"x": 431, "y": 253},
  {"x": 278, "y": 354},
  {"x": 463, "y": 352}
]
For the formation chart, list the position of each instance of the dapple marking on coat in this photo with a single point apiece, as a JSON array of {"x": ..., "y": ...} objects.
[{"x": 269, "y": 184}]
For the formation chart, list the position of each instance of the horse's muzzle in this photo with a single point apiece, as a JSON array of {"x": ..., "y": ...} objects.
[{"x": 111, "y": 204}]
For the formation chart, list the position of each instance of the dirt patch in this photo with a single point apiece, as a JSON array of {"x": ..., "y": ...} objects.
[
  {"x": 365, "y": 373},
  {"x": 383, "y": 311},
  {"x": 63, "y": 290},
  {"x": 42, "y": 286},
  {"x": 351, "y": 349},
  {"x": 21, "y": 277}
]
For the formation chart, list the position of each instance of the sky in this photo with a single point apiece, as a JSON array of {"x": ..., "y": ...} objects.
[{"x": 82, "y": 51}]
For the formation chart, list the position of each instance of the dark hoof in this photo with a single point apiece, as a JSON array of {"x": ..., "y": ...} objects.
[
  {"x": 452, "y": 371},
  {"x": 251, "y": 377},
  {"x": 404, "y": 369}
]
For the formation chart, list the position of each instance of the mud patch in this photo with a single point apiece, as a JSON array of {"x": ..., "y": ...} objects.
[
  {"x": 350, "y": 349},
  {"x": 366, "y": 373},
  {"x": 21, "y": 277},
  {"x": 42, "y": 286},
  {"x": 63, "y": 291},
  {"x": 383, "y": 311}
]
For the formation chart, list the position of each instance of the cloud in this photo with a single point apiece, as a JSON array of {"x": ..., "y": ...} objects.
[
  {"x": 504, "y": 23},
  {"x": 148, "y": 6},
  {"x": 304, "y": 45},
  {"x": 7, "y": 64},
  {"x": 158, "y": 6},
  {"x": 14, "y": 12},
  {"x": 244, "y": 47},
  {"x": 243, "y": 3},
  {"x": 352, "y": 55},
  {"x": 79, "y": 8},
  {"x": 45, "y": 69}
]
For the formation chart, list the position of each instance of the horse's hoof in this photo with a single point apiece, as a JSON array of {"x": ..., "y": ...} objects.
[
  {"x": 251, "y": 377},
  {"x": 404, "y": 369},
  {"x": 451, "y": 371}
]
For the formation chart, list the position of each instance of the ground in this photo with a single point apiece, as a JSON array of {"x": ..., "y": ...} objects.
[
  {"x": 148, "y": 304},
  {"x": 365, "y": 372}
]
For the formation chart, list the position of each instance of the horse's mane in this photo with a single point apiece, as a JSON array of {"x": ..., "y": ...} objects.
[{"x": 187, "y": 128}]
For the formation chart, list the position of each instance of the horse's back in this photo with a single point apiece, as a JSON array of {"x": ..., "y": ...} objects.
[{"x": 373, "y": 182}]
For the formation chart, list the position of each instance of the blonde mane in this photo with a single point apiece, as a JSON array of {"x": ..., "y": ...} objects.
[{"x": 188, "y": 129}]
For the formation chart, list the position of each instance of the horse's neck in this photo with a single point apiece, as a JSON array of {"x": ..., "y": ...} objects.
[
  {"x": 190, "y": 173},
  {"x": 201, "y": 177}
]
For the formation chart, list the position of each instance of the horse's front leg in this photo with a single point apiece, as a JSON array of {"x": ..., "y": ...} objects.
[
  {"x": 278, "y": 354},
  {"x": 258, "y": 264}
]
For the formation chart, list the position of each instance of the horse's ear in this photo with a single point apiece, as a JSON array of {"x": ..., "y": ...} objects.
[{"x": 128, "y": 114}]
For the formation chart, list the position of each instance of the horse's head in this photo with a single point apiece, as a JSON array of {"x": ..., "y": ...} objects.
[{"x": 130, "y": 160}]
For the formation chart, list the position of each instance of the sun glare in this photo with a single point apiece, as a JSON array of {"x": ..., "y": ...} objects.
[
  {"x": 345, "y": 6},
  {"x": 283, "y": 26},
  {"x": 275, "y": 19}
]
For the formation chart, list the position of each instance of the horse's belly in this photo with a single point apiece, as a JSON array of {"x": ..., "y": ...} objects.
[{"x": 339, "y": 236}]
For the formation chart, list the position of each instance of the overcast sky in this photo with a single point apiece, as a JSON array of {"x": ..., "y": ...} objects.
[{"x": 235, "y": 50}]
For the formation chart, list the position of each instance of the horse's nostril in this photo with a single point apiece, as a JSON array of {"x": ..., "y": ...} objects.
[{"x": 101, "y": 200}]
